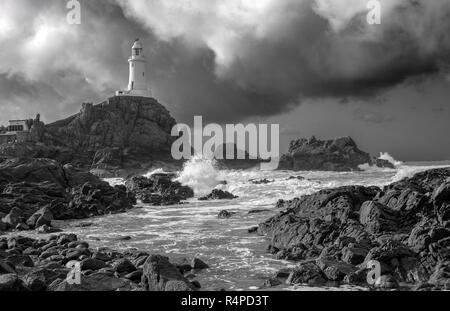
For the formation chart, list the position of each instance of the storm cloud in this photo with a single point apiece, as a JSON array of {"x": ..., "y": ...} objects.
[{"x": 226, "y": 60}]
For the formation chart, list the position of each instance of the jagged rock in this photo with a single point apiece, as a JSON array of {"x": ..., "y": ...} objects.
[
  {"x": 198, "y": 264},
  {"x": 353, "y": 255},
  {"x": 32, "y": 170},
  {"x": 341, "y": 154},
  {"x": 160, "y": 275},
  {"x": 377, "y": 217},
  {"x": 65, "y": 192},
  {"x": 218, "y": 194},
  {"x": 306, "y": 273},
  {"x": 158, "y": 189},
  {"x": 335, "y": 270},
  {"x": 130, "y": 129},
  {"x": 42, "y": 217},
  {"x": 402, "y": 226}
]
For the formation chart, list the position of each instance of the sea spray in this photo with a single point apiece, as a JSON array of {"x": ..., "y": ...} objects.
[
  {"x": 383, "y": 156},
  {"x": 200, "y": 174},
  {"x": 386, "y": 156}
]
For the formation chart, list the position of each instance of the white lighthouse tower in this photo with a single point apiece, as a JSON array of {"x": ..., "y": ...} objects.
[{"x": 137, "y": 84}]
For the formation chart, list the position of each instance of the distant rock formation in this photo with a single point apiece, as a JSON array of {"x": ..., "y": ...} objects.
[{"x": 340, "y": 154}]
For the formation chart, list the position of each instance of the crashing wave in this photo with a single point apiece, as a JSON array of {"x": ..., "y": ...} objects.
[{"x": 200, "y": 174}]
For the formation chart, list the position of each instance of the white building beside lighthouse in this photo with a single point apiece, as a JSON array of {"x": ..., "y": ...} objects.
[{"x": 137, "y": 84}]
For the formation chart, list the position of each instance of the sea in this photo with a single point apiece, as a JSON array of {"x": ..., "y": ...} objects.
[{"x": 238, "y": 260}]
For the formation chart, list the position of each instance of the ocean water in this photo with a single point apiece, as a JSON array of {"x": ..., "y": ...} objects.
[{"x": 238, "y": 260}]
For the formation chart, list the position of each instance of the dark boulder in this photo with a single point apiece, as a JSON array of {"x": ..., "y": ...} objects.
[
  {"x": 159, "y": 189},
  {"x": 218, "y": 194},
  {"x": 225, "y": 214},
  {"x": 42, "y": 217},
  {"x": 198, "y": 264},
  {"x": 124, "y": 266},
  {"x": 92, "y": 264},
  {"x": 160, "y": 275}
]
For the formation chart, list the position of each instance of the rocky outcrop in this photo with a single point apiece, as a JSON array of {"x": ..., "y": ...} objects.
[
  {"x": 118, "y": 136},
  {"x": 340, "y": 154},
  {"x": 28, "y": 264},
  {"x": 119, "y": 132},
  {"x": 218, "y": 194},
  {"x": 35, "y": 191},
  {"x": 159, "y": 189},
  {"x": 335, "y": 233}
]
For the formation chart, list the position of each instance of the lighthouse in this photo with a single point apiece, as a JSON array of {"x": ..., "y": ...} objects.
[{"x": 137, "y": 82}]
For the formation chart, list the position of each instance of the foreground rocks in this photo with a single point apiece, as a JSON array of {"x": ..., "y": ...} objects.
[
  {"x": 159, "y": 189},
  {"x": 333, "y": 234},
  {"x": 35, "y": 191},
  {"x": 341, "y": 154},
  {"x": 49, "y": 265}
]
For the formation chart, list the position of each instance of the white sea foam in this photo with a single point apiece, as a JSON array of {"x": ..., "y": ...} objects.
[
  {"x": 200, "y": 174},
  {"x": 156, "y": 171}
]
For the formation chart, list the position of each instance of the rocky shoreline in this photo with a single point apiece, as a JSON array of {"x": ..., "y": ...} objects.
[
  {"x": 330, "y": 236},
  {"x": 333, "y": 234},
  {"x": 52, "y": 264}
]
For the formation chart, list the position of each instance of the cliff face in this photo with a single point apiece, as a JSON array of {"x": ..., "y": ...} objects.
[
  {"x": 340, "y": 154},
  {"x": 119, "y": 132}
]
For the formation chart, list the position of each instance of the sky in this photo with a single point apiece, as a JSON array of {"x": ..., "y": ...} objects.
[{"x": 316, "y": 67}]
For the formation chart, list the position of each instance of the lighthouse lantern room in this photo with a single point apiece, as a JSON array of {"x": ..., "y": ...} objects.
[{"x": 137, "y": 84}]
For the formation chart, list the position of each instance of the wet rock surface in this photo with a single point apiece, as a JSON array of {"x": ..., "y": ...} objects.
[
  {"x": 334, "y": 234},
  {"x": 158, "y": 189},
  {"x": 51, "y": 265},
  {"x": 218, "y": 194},
  {"x": 35, "y": 191}
]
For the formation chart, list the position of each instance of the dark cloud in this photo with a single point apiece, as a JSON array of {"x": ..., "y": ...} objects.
[{"x": 223, "y": 60}]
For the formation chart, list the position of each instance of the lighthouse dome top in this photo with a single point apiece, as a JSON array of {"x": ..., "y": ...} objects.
[{"x": 137, "y": 44}]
